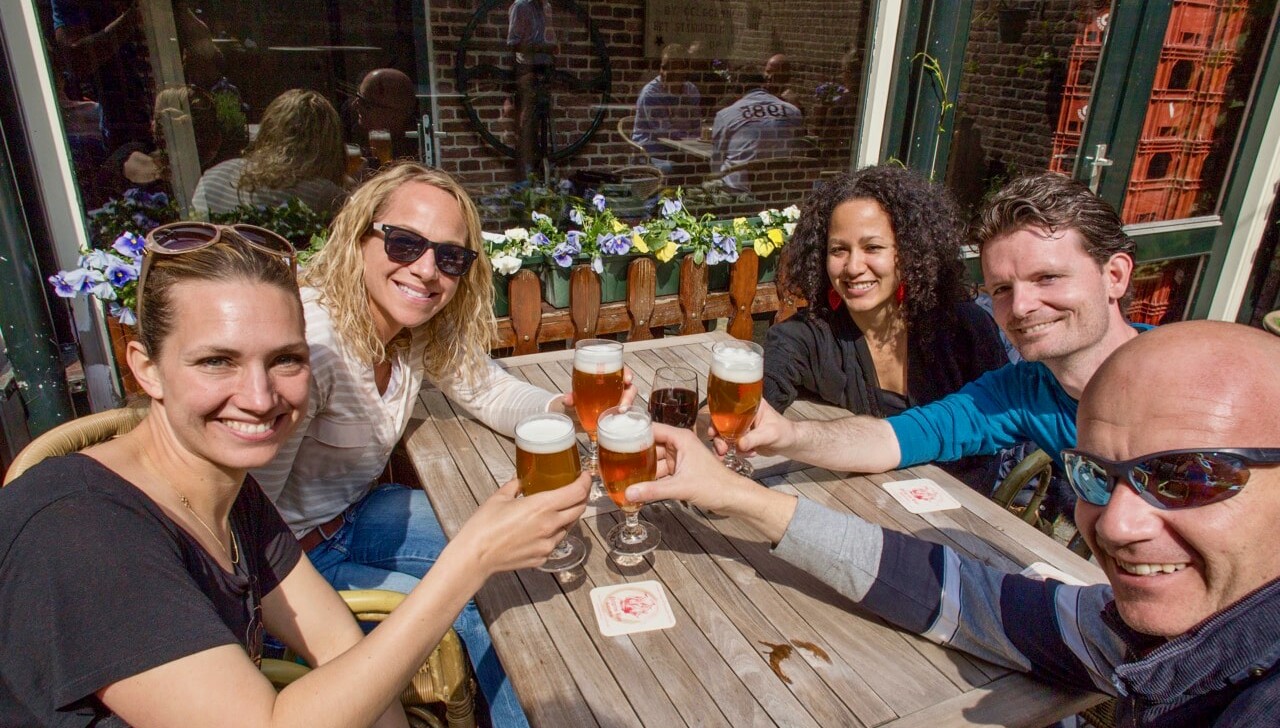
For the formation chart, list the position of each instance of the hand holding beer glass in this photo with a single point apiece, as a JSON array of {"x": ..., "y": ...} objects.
[
  {"x": 673, "y": 399},
  {"x": 597, "y": 386},
  {"x": 627, "y": 456},
  {"x": 733, "y": 395},
  {"x": 546, "y": 459}
]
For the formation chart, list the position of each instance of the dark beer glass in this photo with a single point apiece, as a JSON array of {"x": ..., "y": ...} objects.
[{"x": 673, "y": 398}]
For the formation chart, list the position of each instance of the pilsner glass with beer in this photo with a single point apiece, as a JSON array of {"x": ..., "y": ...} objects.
[
  {"x": 627, "y": 456},
  {"x": 546, "y": 459},
  {"x": 673, "y": 399},
  {"x": 733, "y": 394},
  {"x": 380, "y": 143},
  {"x": 597, "y": 386}
]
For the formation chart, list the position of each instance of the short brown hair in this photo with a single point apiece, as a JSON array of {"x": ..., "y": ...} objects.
[
  {"x": 1054, "y": 202},
  {"x": 227, "y": 260}
]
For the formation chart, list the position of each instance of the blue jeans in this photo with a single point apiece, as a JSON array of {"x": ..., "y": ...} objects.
[{"x": 391, "y": 538}]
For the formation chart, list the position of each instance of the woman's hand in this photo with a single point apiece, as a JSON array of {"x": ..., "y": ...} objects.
[{"x": 508, "y": 532}]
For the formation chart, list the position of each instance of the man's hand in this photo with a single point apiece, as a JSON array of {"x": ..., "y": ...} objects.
[
  {"x": 688, "y": 471},
  {"x": 770, "y": 434}
]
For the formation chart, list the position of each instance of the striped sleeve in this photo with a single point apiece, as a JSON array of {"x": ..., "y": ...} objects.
[{"x": 1049, "y": 629}]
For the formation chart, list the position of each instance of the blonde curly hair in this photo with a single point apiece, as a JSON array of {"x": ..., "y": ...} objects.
[
  {"x": 459, "y": 335},
  {"x": 300, "y": 138}
]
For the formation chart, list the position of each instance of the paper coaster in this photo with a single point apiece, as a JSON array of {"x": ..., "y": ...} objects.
[
  {"x": 636, "y": 607},
  {"x": 921, "y": 495},
  {"x": 1042, "y": 571}
]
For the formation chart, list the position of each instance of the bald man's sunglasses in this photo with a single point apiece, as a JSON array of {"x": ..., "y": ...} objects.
[
  {"x": 1168, "y": 480},
  {"x": 405, "y": 246}
]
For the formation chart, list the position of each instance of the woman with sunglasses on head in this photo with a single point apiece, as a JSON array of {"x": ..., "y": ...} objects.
[
  {"x": 149, "y": 565},
  {"x": 401, "y": 294},
  {"x": 890, "y": 323}
]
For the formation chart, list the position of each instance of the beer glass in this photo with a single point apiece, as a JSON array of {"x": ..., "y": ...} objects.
[
  {"x": 380, "y": 143},
  {"x": 546, "y": 459},
  {"x": 597, "y": 386},
  {"x": 627, "y": 456},
  {"x": 673, "y": 398},
  {"x": 733, "y": 394}
]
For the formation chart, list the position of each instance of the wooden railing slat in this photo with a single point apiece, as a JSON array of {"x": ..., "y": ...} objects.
[{"x": 642, "y": 280}]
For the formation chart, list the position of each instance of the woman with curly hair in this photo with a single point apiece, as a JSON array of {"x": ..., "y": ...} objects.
[
  {"x": 401, "y": 293},
  {"x": 298, "y": 154},
  {"x": 890, "y": 323}
]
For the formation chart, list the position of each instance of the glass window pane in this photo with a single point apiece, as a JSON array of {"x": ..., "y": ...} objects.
[
  {"x": 1024, "y": 94},
  {"x": 1208, "y": 63}
]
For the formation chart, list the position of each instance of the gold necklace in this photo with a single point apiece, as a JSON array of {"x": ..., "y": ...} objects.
[{"x": 234, "y": 550}]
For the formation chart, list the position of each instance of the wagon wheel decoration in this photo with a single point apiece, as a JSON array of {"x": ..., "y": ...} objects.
[{"x": 472, "y": 72}]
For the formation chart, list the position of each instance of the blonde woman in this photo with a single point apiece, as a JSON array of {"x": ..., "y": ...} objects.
[
  {"x": 298, "y": 154},
  {"x": 401, "y": 293}
]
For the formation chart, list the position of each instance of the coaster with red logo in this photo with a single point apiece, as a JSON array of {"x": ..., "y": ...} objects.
[
  {"x": 637, "y": 607},
  {"x": 921, "y": 495}
]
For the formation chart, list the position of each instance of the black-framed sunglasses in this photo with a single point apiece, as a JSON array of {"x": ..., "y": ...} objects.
[
  {"x": 1168, "y": 480},
  {"x": 405, "y": 246},
  {"x": 177, "y": 238}
]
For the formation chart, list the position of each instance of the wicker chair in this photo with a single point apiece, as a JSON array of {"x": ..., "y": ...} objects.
[
  {"x": 1036, "y": 465},
  {"x": 444, "y": 678}
]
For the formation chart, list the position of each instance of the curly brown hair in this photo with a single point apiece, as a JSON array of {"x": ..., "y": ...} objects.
[{"x": 927, "y": 233}]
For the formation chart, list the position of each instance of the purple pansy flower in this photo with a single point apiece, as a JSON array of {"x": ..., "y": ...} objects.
[
  {"x": 573, "y": 241},
  {"x": 671, "y": 207},
  {"x": 540, "y": 241},
  {"x": 597, "y": 265},
  {"x": 539, "y": 217},
  {"x": 129, "y": 245},
  {"x": 121, "y": 273},
  {"x": 614, "y": 244},
  {"x": 124, "y": 314},
  {"x": 575, "y": 215},
  {"x": 679, "y": 235},
  {"x": 726, "y": 246},
  {"x": 62, "y": 286},
  {"x": 598, "y": 202}
]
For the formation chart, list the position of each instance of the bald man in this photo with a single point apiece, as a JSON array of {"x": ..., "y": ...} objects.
[
  {"x": 1177, "y": 474},
  {"x": 387, "y": 100}
]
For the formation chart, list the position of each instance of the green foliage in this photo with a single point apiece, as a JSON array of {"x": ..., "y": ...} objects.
[{"x": 294, "y": 221}]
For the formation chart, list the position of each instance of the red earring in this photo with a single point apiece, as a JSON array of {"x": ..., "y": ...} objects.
[
  {"x": 901, "y": 295},
  {"x": 833, "y": 299}
]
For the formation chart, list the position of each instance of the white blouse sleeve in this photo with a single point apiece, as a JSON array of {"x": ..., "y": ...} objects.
[{"x": 497, "y": 399}]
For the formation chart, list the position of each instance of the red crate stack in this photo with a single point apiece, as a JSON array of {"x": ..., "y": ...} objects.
[
  {"x": 1074, "y": 111},
  {"x": 1149, "y": 201},
  {"x": 1179, "y": 70},
  {"x": 1065, "y": 147},
  {"x": 1231, "y": 17},
  {"x": 1157, "y": 160},
  {"x": 1082, "y": 60},
  {"x": 1171, "y": 115},
  {"x": 1192, "y": 24}
]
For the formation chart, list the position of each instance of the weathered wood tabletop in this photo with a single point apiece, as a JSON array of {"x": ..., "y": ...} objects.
[{"x": 736, "y": 606}]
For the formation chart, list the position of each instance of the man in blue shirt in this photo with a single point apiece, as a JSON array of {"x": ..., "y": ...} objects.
[
  {"x": 668, "y": 106},
  {"x": 1057, "y": 266}
]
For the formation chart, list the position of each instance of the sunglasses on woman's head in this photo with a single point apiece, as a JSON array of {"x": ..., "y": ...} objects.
[
  {"x": 405, "y": 246},
  {"x": 1168, "y": 480},
  {"x": 178, "y": 238}
]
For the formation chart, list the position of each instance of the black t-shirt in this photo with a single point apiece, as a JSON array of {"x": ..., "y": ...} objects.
[{"x": 97, "y": 584}]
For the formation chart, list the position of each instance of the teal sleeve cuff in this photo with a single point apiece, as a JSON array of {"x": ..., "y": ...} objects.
[{"x": 912, "y": 439}]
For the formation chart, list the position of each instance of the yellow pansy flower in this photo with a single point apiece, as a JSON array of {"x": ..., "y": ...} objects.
[
  {"x": 667, "y": 252},
  {"x": 637, "y": 242},
  {"x": 763, "y": 247}
]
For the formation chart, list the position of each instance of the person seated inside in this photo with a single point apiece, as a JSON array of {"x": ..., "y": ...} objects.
[
  {"x": 152, "y": 563},
  {"x": 777, "y": 79},
  {"x": 890, "y": 323},
  {"x": 386, "y": 110},
  {"x": 146, "y": 166},
  {"x": 759, "y": 125},
  {"x": 298, "y": 155},
  {"x": 1057, "y": 266},
  {"x": 1177, "y": 476},
  {"x": 668, "y": 106}
]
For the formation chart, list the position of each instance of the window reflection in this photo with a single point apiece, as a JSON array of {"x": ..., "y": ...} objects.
[{"x": 740, "y": 105}]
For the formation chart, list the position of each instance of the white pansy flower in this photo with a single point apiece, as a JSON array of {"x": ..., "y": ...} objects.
[
  {"x": 790, "y": 227},
  {"x": 791, "y": 213},
  {"x": 505, "y": 264},
  {"x": 765, "y": 217},
  {"x": 517, "y": 234}
]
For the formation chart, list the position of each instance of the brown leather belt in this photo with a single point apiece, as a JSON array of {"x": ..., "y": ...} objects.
[{"x": 321, "y": 533}]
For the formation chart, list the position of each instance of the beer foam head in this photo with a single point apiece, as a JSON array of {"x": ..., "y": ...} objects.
[
  {"x": 737, "y": 364},
  {"x": 625, "y": 431},
  {"x": 604, "y": 358},
  {"x": 545, "y": 434}
]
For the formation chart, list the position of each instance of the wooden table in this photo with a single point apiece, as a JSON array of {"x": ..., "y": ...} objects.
[
  {"x": 695, "y": 147},
  {"x": 733, "y": 601}
]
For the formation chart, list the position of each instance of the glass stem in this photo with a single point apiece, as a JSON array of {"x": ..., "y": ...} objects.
[{"x": 632, "y": 531}]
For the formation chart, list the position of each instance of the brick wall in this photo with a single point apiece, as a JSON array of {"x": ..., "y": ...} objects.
[{"x": 1010, "y": 92}]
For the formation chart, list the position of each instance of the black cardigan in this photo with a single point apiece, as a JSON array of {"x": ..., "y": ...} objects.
[{"x": 828, "y": 360}]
